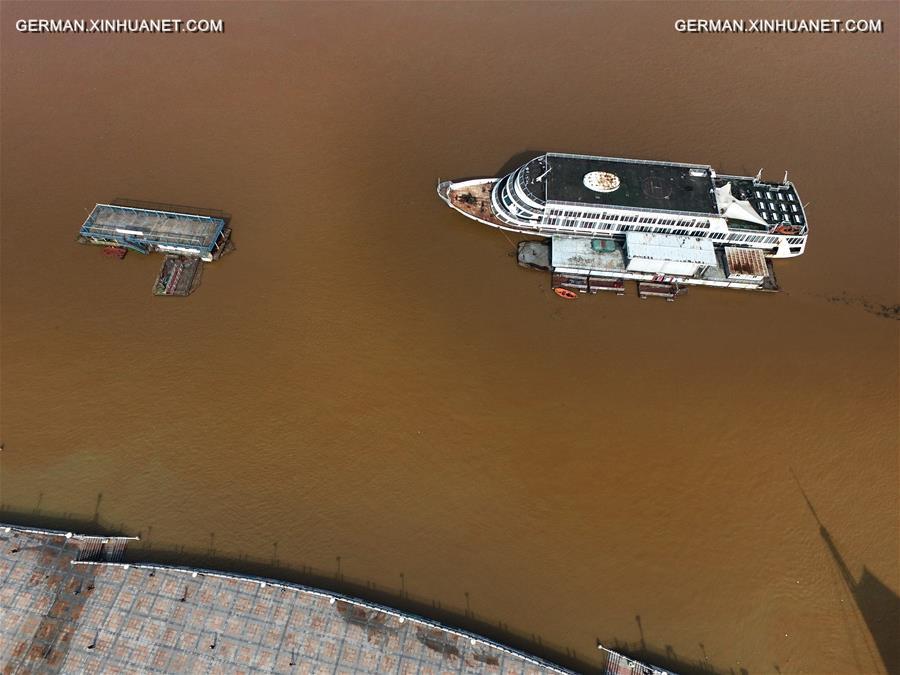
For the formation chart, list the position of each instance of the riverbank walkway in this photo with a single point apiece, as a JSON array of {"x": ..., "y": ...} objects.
[{"x": 69, "y": 604}]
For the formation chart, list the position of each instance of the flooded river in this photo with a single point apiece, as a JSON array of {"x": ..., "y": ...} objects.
[{"x": 370, "y": 388}]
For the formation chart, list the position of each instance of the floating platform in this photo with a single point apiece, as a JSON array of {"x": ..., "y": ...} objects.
[
  {"x": 654, "y": 289},
  {"x": 583, "y": 265},
  {"x": 599, "y": 284},
  {"x": 187, "y": 239},
  {"x": 534, "y": 255}
]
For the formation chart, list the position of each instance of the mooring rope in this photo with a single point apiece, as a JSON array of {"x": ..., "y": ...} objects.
[{"x": 509, "y": 240}]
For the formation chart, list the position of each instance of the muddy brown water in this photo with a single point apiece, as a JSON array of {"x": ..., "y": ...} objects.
[{"x": 370, "y": 381}]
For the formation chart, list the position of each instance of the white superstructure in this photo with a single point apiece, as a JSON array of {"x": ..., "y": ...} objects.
[{"x": 560, "y": 194}]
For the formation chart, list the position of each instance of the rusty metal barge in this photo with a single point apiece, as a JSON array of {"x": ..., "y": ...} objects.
[{"x": 664, "y": 225}]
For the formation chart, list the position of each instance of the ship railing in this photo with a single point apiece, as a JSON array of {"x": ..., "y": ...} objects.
[{"x": 629, "y": 161}]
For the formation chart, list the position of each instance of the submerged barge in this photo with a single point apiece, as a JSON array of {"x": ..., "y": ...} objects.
[{"x": 609, "y": 220}]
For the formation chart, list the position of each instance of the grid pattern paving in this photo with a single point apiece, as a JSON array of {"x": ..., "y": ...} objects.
[{"x": 62, "y": 614}]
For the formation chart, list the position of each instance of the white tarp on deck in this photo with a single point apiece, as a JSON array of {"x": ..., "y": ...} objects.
[
  {"x": 668, "y": 253},
  {"x": 670, "y": 247},
  {"x": 739, "y": 209}
]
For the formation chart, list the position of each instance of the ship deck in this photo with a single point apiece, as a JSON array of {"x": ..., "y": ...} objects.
[
  {"x": 474, "y": 200},
  {"x": 660, "y": 186}
]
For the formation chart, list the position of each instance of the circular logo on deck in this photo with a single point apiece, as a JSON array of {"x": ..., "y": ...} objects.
[{"x": 601, "y": 181}]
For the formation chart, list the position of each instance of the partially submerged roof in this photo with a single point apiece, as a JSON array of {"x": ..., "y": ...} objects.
[
  {"x": 628, "y": 183},
  {"x": 670, "y": 247},
  {"x": 152, "y": 227}
]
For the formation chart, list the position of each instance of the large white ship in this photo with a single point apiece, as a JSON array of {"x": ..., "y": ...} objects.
[{"x": 660, "y": 222}]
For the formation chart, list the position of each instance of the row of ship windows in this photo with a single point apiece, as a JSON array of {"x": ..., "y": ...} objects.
[
  {"x": 746, "y": 238},
  {"x": 661, "y": 225},
  {"x": 749, "y": 238},
  {"x": 681, "y": 232},
  {"x": 573, "y": 223},
  {"x": 568, "y": 216},
  {"x": 515, "y": 207}
]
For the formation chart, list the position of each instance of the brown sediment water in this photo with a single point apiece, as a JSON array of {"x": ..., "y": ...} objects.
[{"x": 371, "y": 382}]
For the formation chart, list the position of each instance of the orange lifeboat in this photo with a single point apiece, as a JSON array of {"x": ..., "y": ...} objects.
[
  {"x": 565, "y": 293},
  {"x": 786, "y": 229}
]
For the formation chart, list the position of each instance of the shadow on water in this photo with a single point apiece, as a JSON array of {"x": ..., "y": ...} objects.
[
  {"x": 67, "y": 522},
  {"x": 511, "y": 164},
  {"x": 268, "y": 565},
  {"x": 518, "y": 160},
  {"x": 878, "y": 605},
  {"x": 666, "y": 657}
]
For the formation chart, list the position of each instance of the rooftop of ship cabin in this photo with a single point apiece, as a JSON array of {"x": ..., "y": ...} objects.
[{"x": 660, "y": 186}]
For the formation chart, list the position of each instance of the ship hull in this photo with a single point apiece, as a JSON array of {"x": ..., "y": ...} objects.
[{"x": 473, "y": 199}]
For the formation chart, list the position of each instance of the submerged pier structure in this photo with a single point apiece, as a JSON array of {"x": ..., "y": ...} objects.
[
  {"x": 187, "y": 239},
  {"x": 178, "y": 276},
  {"x": 147, "y": 230}
]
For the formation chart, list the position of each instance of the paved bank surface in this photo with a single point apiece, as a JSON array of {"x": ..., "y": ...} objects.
[{"x": 68, "y": 605}]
